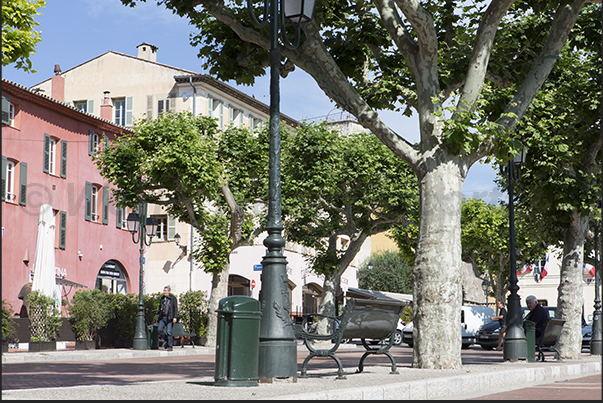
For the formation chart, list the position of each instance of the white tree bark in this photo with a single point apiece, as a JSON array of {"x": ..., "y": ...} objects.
[{"x": 219, "y": 290}]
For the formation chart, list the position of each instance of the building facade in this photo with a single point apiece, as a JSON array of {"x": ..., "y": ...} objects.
[
  {"x": 47, "y": 149},
  {"x": 140, "y": 87}
]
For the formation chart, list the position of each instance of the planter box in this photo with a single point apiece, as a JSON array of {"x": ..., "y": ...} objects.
[
  {"x": 37, "y": 346},
  {"x": 87, "y": 344}
]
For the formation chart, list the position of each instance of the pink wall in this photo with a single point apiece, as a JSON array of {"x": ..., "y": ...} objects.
[{"x": 39, "y": 115}]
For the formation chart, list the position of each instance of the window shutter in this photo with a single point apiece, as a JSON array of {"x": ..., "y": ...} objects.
[
  {"x": 88, "y": 212},
  {"x": 149, "y": 107},
  {"x": 63, "y": 159},
  {"x": 105, "y": 142},
  {"x": 91, "y": 142},
  {"x": 119, "y": 218},
  {"x": 5, "y": 110},
  {"x": 90, "y": 106},
  {"x": 171, "y": 227},
  {"x": 23, "y": 184},
  {"x": 173, "y": 103},
  {"x": 210, "y": 105},
  {"x": 129, "y": 113},
  {"x": 4, "y": 163},
  {"x": 62, "y": 229},
  {"x": 69, "y": 103},
  {"x": 46, "y": 165},
  {"x": 221, "y": 114},
  {"x": 106, "y": 205}
]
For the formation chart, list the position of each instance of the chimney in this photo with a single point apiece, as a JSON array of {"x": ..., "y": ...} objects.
[
  {"x": 106, "y": 109},
  {"x": 58, "y": 85},
  {"x": 147, "y": 52}
]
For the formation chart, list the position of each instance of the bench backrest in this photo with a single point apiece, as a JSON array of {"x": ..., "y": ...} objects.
[
  {"x": 372, "y": 319},
  {"x": 178, "y": 330},
  {"x": 552, "y": 330}
]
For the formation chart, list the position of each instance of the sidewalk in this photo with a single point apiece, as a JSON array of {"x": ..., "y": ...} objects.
[{"x": 187, "y": 373}]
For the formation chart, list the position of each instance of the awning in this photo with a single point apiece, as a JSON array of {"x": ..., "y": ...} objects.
[
  {"x": 371, "y": 294},
  {"x": 63, "y": 281}
]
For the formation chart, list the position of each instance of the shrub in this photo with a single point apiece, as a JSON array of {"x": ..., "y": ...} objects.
[
  {"x": 124, "y": 308},
  {"x": 89, "y": 312},
  {"x": 9, "y": 334},
  {"x": 192, "y": 312},
  {"x": 44, "y": 317},
  {"x": 151, "y": 307}
]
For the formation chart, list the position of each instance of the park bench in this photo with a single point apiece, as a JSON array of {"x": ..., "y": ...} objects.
[
  {"x": 376, "y": 320},
  {"x": 179, "y": 333},
  {"x": 548, "y": 340}
]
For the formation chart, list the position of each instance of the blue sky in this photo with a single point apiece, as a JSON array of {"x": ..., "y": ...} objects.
[{"x": 74, "y": 31}]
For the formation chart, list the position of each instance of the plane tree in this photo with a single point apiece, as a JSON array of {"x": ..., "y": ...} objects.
[
  {"x": 428, "y": 57},
  {"x": 213, "y": 180},
  {"x": 337, "y": 191}
]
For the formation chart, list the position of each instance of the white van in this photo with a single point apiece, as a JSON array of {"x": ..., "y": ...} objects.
[{"x": 472, "y": 318}]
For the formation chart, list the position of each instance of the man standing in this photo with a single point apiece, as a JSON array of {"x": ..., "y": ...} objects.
[
  {"x": 168, "y": 314},
  {"x": 537, "y": 314}
]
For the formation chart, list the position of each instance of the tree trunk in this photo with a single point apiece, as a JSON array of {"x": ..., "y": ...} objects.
[
  {"x": 570, "y": 298},
  {"x": 219, "y": 290},
  {"x": 437, "y": 276},
  {"x": 327, "y": 305}
]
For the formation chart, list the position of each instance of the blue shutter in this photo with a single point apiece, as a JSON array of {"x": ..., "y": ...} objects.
[
  {"x": 63, "y": 159},
  {"x": 23, "y": 184}
]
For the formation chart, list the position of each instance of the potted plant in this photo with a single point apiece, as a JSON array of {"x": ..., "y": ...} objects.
[
  {"x": 192, "y": 313},
  {"x": 88, "y": 312},
  {"x": 124, "y": 308},
  {"x": 44, "y": 322},
  {"x": 9, "y": 334}
]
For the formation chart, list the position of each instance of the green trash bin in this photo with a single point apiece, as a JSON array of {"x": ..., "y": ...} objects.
[
  {"x": 530, "y": 329},
  {"x": 238, "y": 342},
  {"x": 153, "y": 337}
]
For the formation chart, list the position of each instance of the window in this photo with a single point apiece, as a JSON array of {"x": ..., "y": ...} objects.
[
  {"x": 251, "y": 122},
  {"x": 121, "y": 218},
  {"x": 10, "y": 181},
  {"x": 93, "y": 142},
  {"x": 8, "y": 112},
  {"x": 162, "y": 226},
  {"x": 94, "y": 204},
  {"x": 119, "y": 110},
  {"x": 81, "y": 105},
  {"x": 50, "y": 154},
  {"x": 92, "y": 193}
]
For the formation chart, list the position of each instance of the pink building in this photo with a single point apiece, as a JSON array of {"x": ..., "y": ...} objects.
[{"x": 46, "y": 159}]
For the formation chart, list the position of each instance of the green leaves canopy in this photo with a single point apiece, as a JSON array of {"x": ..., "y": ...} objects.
[{"x": 19, "y": 39}]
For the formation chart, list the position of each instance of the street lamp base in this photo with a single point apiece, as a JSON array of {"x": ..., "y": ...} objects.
[
  {"x": 515, "y": 350},
  {"x": 139, "y": 344},
  {"x": 277, "y": 359},
  {"x": 595, "y": 347}
]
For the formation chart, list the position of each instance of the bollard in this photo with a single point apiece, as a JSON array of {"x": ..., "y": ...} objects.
[
  {"x": 530, "y": 329},
  {"x": 237, "y": 344}
]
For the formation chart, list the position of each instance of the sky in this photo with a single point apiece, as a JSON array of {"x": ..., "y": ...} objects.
[{"x": 75, "y": 31}]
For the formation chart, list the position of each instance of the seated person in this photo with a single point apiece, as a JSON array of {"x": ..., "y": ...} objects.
[{"x": 537, "y": 314}]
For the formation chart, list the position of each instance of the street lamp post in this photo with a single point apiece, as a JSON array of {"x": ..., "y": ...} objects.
[
  {"x": 595, "y": 341},
  {"x": 515, "y": 346},
  {"x": 142, "y": 226},
  {"x": 486, "y": 288},
  {"x": 277, "y": 348}
]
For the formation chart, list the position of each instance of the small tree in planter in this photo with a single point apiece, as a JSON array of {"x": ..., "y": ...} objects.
[
  {"x": 192, "y": 311},
  {"x": 44, "y": 322},
  {"x": 9, "y": 334},
  {"x": 89, "y": 312}
]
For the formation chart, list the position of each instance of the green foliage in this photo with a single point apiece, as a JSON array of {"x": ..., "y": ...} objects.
[
  {"x": 389, "y": 273},
  {"x": 192, "y": 311},
  {"x": 125, "y": 309},
  {"x": 89, "y": 311},
  {"x": 406, "y": 314},
  {"x": 151, "y": 307},
  {"x": 44, "y": 317},
  {"x": 9, "y": 333},
  {"x": 19, "y": 40}
]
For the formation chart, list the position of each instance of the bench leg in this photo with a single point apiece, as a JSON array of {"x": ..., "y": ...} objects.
[
  {"x": 304, "y": 369},
  {"x": 366, "y": 354}
]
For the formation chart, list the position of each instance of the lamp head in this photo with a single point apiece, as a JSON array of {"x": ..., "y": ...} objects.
[
  {"x": 133, "y": 221},
  {"x": 299, "y": 12},
  {"x": 177, "y": 238}
]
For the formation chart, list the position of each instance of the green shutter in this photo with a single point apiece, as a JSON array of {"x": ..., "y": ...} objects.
[
  {"x": 171, "y": 227},
  {"x": 23, "y": 184},
  {"x": 46, "y": 166},
  {"x": 106, "y": 205},
  {"x": 5, "y": 111},
  {"x": 62, "y": 229},
  {"x": 88, "y": 212},
  {"x": 63, "y": 159},
  {"x": 91, "y": 142},
  {"x": 4, "y": 164},
  {"x": 129, "y": 112},
  {"x": 119, "y": 218}
]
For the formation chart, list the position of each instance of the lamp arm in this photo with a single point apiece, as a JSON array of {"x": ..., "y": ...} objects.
[
  {"x": 144, "y": 239},
  {"x": 284, "y": 38},
  {"x": 136, "y": 239},
  {"x": 254, "y": 19}
]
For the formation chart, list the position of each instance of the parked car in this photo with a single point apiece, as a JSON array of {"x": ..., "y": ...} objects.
[
  {"x": 487, "y": 335},
  {"x": 472, "y": 318},
  {"x": 587, "y": 333}
]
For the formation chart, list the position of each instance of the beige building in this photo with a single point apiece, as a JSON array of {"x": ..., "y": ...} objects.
[{"x": 138, "y": 87}]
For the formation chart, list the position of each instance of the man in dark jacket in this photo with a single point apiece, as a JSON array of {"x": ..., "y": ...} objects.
[
  {"x": 168, "y": 314},
  {"x": 537, "y": 314}
]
